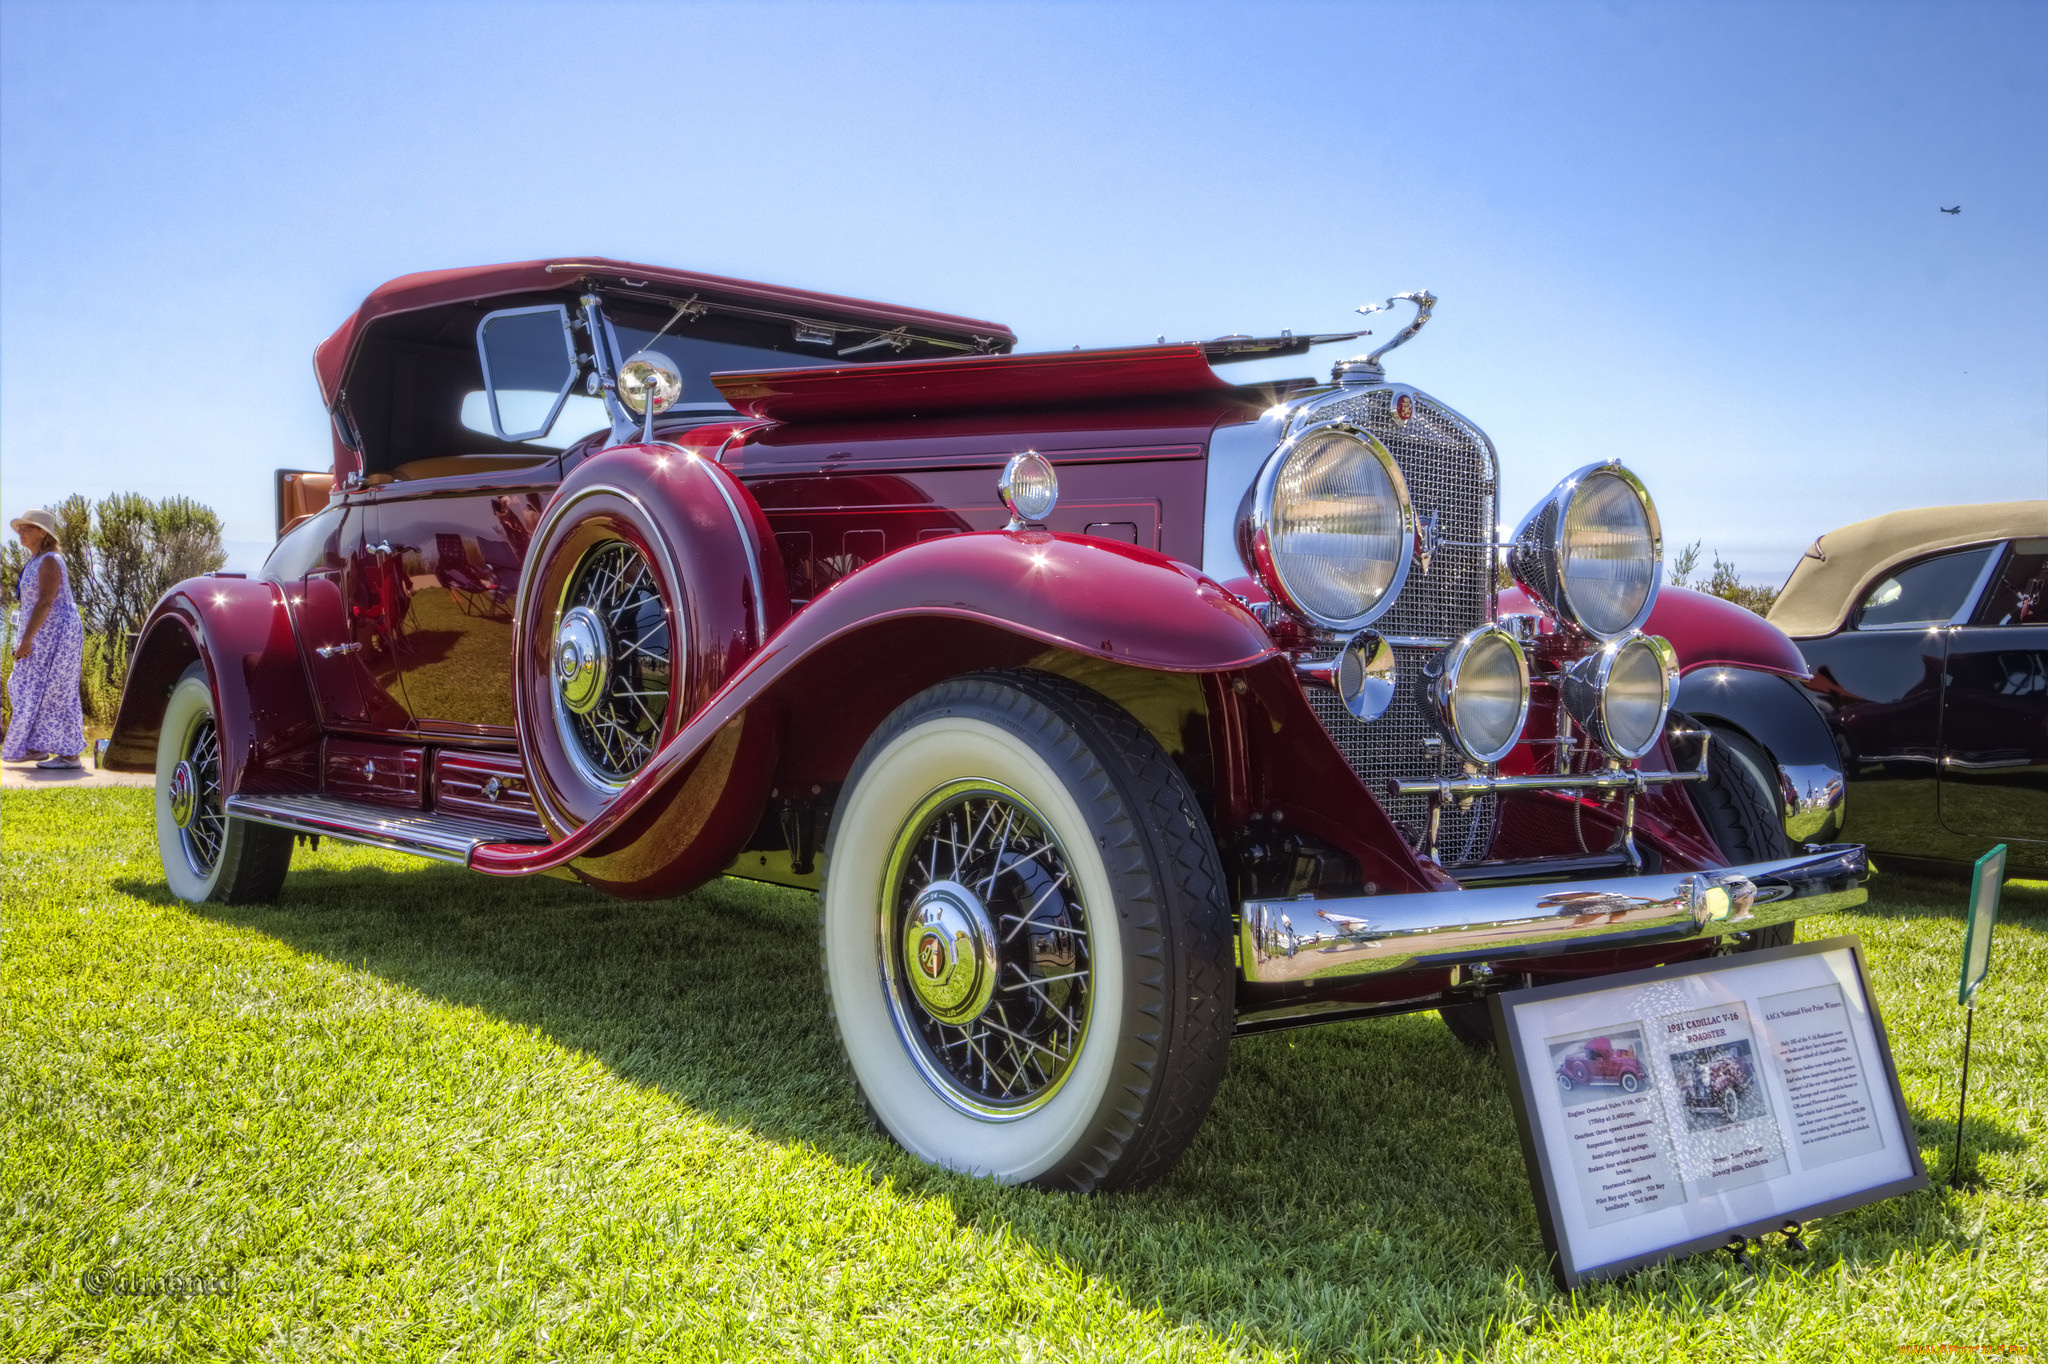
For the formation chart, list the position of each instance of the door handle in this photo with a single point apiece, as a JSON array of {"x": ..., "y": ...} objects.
[
  {"x": 381, "y": 548},
  {"x": 330, "y": 650}
]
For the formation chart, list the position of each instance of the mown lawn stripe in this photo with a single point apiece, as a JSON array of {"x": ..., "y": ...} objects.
[{"x": 425, "y": 1115}]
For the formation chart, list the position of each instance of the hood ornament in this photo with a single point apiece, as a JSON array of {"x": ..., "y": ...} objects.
[{"x": 1366, "y": 369}]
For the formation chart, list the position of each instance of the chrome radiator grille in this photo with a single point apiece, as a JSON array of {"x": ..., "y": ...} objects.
[{"x": 1450, "y": 473}]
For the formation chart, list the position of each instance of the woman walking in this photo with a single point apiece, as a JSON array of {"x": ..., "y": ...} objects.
[{"x": 49, "y": 651}]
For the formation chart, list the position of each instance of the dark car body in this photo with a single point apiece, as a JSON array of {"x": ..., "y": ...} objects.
[
  {"x": 1927, "y": 636},
  {"x": 820, "y": 542}
]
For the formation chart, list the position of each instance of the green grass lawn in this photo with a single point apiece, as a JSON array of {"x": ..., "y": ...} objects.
[{"x": 418, "y": 1114}]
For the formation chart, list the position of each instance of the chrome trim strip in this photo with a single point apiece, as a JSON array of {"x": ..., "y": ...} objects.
[
  {"x": 445, "y": 838},
  {"x": 1297, "y": 940},
  {"x": 1481, "y": 784}
]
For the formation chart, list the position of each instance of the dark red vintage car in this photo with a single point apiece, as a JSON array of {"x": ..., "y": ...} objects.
[
  {"x": 1112, "y": 707},
  {"x": 1599, "y": 1062}
]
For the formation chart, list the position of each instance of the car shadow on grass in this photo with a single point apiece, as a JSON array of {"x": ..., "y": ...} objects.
[{"x": 1358, "y": 1187}]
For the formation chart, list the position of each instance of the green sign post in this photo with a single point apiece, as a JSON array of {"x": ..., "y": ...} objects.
[{"x": 1987, "y": 883}]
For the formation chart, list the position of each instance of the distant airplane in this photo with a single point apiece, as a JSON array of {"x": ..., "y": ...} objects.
[{"x": 1957, "y": 209}]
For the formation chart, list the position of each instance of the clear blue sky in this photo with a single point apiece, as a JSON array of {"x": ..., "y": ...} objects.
[{"x": 1702, "y": 238}]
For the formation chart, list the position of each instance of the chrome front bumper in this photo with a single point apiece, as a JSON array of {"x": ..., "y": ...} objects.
[{"x": 1296, "y": 940}]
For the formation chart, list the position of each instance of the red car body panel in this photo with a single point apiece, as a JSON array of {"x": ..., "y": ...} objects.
[
  {"x": 270, "y": 735},
  {"x": 923, "y": 387},
  {"x": 1018, "y": 595},
  {"x": 1705, "y": 630}
]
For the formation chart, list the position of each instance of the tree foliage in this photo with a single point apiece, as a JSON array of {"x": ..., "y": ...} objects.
[
  {"x": 1721, "y": 581},
  {"x": 121, "y": 554}
]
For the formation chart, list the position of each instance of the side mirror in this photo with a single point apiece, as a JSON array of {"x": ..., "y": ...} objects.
[{"x": 529, "y": 359}]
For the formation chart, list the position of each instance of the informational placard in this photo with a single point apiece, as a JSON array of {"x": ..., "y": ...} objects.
[
  {"x": 1665, "y": 1112},
  {"x": 1987, "y": 884}
]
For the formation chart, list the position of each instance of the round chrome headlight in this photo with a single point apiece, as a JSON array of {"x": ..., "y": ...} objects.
[
  {"x": 1482, "y": 694},
  {"x": 1593, "y": 551},
  {"x": 1328, "y": 528},
  {"x": 1620, "y": 693}
]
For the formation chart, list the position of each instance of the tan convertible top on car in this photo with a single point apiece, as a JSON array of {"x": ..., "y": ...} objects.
[{"x": 1823, "y": 587}]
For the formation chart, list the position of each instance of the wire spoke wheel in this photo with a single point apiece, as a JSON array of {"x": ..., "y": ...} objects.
[
  {"x": 985, "y": 945},
  {"x": 196, "y": 795},
  {"x": 209, "y": 856},
  {"x": 613, "y": 664}
]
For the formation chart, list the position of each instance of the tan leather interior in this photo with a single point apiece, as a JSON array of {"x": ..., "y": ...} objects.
[
  {"x": 300, "y": 493},
  {"x": 455, "y": 466}
]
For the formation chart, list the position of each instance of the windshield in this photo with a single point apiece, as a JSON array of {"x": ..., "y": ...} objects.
[
  {"x": 697, "y": 357},
  {"x": 694, "y": 346}
]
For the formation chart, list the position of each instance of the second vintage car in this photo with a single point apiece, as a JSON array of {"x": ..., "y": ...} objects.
[{"x": 1113, "y": 708}]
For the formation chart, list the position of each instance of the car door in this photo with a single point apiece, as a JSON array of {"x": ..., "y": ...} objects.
[
  {"x": 457, "y": 544},
  {"x": 341, "y": 619},
  {"x": 1880, "y": 681},
  {"x": 1994, "y": 735}
]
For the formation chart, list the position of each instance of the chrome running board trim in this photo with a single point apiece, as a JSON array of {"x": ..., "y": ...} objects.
[
  {"x": 1295, "y": 940},
  {"x": 445, "y": 838}
]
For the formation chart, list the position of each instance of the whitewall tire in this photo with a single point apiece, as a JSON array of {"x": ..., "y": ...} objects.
[
  {"x": 1026, "y": 937},
  {"x": 208, "y": 856}
]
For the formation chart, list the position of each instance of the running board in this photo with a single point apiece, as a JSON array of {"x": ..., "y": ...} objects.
[{"x": 445, "y": 838}]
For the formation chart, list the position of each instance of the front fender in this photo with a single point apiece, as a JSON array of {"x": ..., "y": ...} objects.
[
  {"x": 927, "y": 612},
  {"x": 240, "y": 630},
  {"x": 1779, "y": 715},
  {"x": 1705, "y": 630},
  {"x": 1709, "y": 632},
  {"x": 1098, "y": 597}
]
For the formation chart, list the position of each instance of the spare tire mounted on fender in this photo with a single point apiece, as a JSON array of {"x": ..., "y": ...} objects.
[{"x": 646, "y": 586}]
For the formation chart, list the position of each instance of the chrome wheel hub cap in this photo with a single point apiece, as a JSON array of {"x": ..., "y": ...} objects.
[
  {"x": 949, "y": 952},
  {"x": 985, "y": 950},
  {"x": 583, "y": 661},
  {"x": 184, "y": 794}
]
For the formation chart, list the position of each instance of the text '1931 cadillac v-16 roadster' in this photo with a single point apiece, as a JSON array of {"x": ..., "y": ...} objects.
[{"x": 1111, "y": 707}]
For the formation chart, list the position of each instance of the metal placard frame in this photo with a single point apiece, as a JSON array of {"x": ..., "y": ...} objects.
[{"x": 1549, "y": 1185}]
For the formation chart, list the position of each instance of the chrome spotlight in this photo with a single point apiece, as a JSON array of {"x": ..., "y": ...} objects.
[
  {"x": 1029, "y": 487},
  {"x": 1361, "y": 673},
  {"x": 647, "y": 380},
  {"x": 1481, "y": 693},
  {"x": 1592, "y": 551},
  {"x": 1621, "y": 692},
  {"x": 649, "y": 384}
]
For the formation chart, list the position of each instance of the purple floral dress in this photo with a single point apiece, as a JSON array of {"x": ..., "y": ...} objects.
[{"x": 44, "y": 687}]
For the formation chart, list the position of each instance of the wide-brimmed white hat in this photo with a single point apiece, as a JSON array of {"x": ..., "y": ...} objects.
[{"x": 40, "y": 517}]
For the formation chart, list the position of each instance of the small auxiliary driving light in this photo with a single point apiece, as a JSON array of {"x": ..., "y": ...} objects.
[
  {"x": 1361, "y": 673},
  {"x": 1029, "y": 488},
  {"x": 1621, "y": 692},
  {"x": 1482, "y": 694}
]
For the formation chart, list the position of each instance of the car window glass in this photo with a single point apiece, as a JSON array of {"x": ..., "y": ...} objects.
[
  {"x": 530, "y": 362},
  {"x": 2014, "y": 596},
  {"x": 580, "y": 416},
  {"x": 308, "y": 546},
  {"x": 1925, "y": 593}
]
